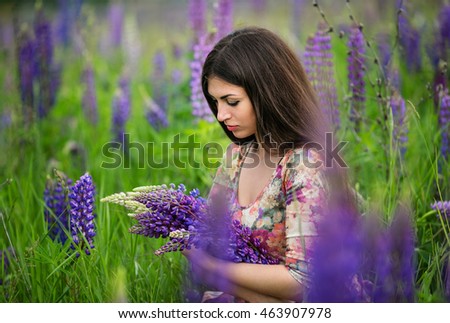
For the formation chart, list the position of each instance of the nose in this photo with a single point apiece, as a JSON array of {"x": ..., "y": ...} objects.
[{"x": 222, "y": 113}]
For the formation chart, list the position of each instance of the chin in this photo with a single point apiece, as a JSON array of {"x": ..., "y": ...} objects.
[{"x": 243, "y": 135}]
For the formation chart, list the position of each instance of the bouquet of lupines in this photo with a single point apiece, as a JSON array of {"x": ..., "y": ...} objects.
[{"x": 163, "y": 211}]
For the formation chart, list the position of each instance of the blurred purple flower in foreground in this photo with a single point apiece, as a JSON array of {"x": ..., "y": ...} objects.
[{"x": 354, "y": 260}]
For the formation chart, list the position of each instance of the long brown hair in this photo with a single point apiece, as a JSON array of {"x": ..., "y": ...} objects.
[{"x": 284, "y": 101}]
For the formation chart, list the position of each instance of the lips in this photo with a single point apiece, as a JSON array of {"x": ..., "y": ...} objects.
[{"x": 232, "y": 128}]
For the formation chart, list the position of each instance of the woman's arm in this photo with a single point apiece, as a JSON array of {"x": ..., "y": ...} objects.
[{"x": 252, "y": 282}]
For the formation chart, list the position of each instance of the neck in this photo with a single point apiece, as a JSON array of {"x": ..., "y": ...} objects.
[{"x": 270, "y": 158}]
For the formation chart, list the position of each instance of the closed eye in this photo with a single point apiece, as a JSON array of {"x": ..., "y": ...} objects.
[{"x": 233, "y": 103}]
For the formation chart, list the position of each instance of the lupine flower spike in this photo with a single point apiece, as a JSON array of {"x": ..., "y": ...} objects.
[
  {"x": 197, "y": 16},
  {"x": 56, "y": 210},
  {"x": 45, "y": 66},
  {"x": 409, "y": 39},
  {"x": 398, "y": 107},
  {"x": 121, "y": 109},
  {"x": 200, "y": 107},
  {"x": 82, "y": 204},
  {"x": 444, "y": 123},
  {"x": 356, "y": 73},
  {"x": 27, "y": 74},
  {"x": 442, "y": 207},
  {"x": 223, "y": 18},
  {"x": 320, "y": 69}
]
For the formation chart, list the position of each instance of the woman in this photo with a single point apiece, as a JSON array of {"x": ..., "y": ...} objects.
[{"x": 259, "y": 93}]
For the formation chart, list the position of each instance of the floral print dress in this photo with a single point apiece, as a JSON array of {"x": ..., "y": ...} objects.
[{"x": 284, "y": 215}]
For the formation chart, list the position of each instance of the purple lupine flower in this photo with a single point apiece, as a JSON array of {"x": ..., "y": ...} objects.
[
  {"x": 376, "y": 265},
  {"x": 89, "y": 100},
  {"x": 245, "y": 247},
  {"x": 121, "y": 109},
  {"x": 444, "y": 24},
  {"x": 355, "y": 259},
  {"x": 320, "y": 69},
  {"x": 68, "y": 13},
  {"x": 57, "y": 206},
  {"x": 177, "y": 76},
  {"x": 27, "y": 74},
  {"x": 159, "y": 66},
  {"x": 439, "y": 81},
  {"x": 64, "y": 23},
  {"x": 159, "y": 82},
  {"x": 402, "y": 241},
  {"x": 442, "y": 207},
  {"x": 44, "y": 58},
  {"x": 177, "y": 51},
  {"x": 44, "y": 40},
  {"x": 336, "y": 258},
  {"x": 5, "y": 119},
  {"x": 223, "y": 18},
  {"x": 82, "y": 205},
  {"x": 5, "y": 262},
  {"x": 444, "y": 123},
  {"x": 170, "y": 209},
  {"x": 398, "y": 107},
  {"x": 155, "y": 115},
  {"x": 389, "y": 267},
  {"x": 409, "y": 40},
  {"x": 116, "y": 19},
  {"x": 197, "y": 17},
  {"x": 385, "y": 54},
  {"x": 200, "y": 108},
  {"x": 446, "y": 276},
  {"x": 356, "y": 73}
]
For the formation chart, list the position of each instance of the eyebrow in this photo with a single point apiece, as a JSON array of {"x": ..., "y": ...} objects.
[{"x": 224, "y": 96}]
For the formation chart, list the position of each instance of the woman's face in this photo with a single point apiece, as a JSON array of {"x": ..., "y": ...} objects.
[{"x": 234, "y": 108}]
